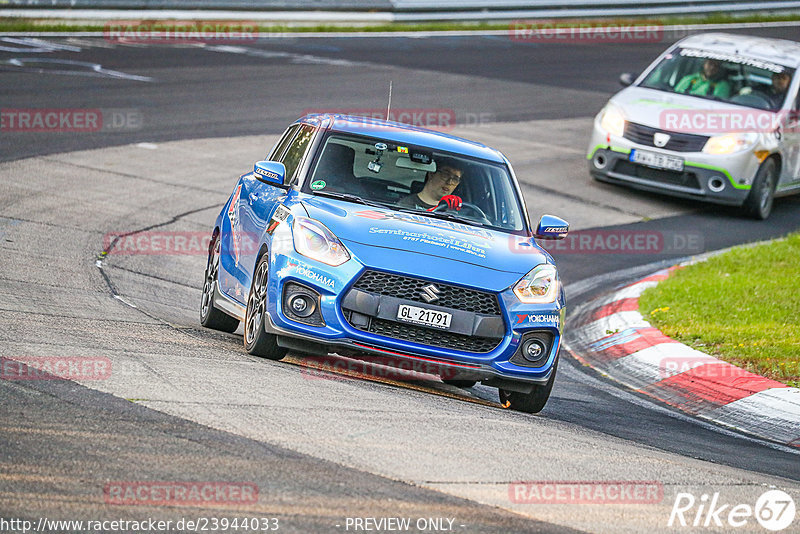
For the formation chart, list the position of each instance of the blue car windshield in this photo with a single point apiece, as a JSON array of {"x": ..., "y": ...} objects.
[
  {"x": 723, "y": 77},
  {"x": 417, "y": 178}
]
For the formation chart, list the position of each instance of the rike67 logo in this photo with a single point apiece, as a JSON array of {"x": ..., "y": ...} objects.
[{"x": 774, "y": 510}]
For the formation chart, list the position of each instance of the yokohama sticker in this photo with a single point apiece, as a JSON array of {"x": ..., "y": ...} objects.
[
  {"x": 538, "y": 318},
  {"x": 310, "y": 274}
]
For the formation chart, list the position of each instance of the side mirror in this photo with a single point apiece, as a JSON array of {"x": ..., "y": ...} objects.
[
  {"x": 626, "y": 78},
  {"x": 551, "y": 227},
  {"x": 271, "y": 172}
]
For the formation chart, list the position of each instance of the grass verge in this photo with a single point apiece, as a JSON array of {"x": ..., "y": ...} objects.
[{"x": 742, "y": 306}]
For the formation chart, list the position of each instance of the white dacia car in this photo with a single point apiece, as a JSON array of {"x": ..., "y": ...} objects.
[{"x": 714, "y": 118}]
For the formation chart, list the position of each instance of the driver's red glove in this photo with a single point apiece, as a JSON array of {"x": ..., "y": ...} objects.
[{"x": 453, "y": 202}]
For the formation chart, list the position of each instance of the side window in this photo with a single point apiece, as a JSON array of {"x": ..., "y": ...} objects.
[
  {"x": 280, "y": 147},
  {"x": 794, "y": 113},
  {"x": 294, "y": 155}
]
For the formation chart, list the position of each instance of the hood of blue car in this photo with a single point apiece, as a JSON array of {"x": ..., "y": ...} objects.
[{"x": 393, "y": 235}]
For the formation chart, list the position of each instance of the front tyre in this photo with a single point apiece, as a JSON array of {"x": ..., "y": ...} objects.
[
  {"x": 256, "y": 339},
  {"x": 758, "y": 203},
  {"x": 532, "y": 402},
  {"x": 211, "y": 317}
]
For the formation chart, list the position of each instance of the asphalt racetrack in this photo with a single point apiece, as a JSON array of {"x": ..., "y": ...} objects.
[{"x": 183, "y": 404}]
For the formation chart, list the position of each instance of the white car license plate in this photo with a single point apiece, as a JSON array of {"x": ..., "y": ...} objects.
[
  {"x": 659, "y": 161},
  {"x": 423, "y": 316}
]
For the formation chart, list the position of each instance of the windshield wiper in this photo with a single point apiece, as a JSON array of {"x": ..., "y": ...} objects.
[
  {"x": 454, "y": 217},
  {"x": 351, "y": 198},
  {"x": 440, "y": 215}
]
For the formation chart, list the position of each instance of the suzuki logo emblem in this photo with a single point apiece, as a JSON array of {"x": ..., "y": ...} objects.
[
  {"x": 660, "y": 139},
  {"x": 430, "y": 293}
]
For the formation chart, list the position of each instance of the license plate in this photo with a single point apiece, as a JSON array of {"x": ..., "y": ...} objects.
[
  {"x": 659, "y": 161},
  {"x": 424, "y": 316}
]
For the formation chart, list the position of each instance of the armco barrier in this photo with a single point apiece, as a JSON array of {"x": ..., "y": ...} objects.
[{"x": 415, "y": 10}]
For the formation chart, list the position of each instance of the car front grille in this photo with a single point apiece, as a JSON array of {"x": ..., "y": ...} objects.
[
  {"x": 407, "y": 288},
  {"x": 450, "y": 297},
  {"x": 426, "y": 336},
  {"x": 683, "y": 179},
  {"x": 678, "y": 142}
]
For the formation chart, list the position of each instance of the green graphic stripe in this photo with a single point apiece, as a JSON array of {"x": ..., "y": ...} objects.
[
  {"x": 720, "y": 170},
  {"x": 614, "y": 148}
]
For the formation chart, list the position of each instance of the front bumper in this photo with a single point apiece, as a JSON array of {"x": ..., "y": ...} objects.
[
  {"x": 345, "y": 315},
  {"x": 718, "y": 179}
]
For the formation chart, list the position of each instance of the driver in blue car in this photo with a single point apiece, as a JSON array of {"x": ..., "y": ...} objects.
[{"x": 438, "y": 188}]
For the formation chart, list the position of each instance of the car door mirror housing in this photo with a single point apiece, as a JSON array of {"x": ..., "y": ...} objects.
[
  {"x": 626, "y": 79},
  {"x": 271, "y": 172},
  {"x": 551, "y": 227}
]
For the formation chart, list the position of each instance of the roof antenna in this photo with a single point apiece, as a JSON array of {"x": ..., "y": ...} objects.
[{"x": 389, "y": 105}]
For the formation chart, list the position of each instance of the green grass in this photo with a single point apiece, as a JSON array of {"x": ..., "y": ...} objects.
[
  {"x": 742, "y": 306},
  {"x": 13, "y": 24}
]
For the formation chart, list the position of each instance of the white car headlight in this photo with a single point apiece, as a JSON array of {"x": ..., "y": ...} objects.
[
  {"x": 538, "y": 286},
  {"x": 612, "y": 120},
  {"x": 730, "y": 143},
  {"x": 313, "y": 240}
]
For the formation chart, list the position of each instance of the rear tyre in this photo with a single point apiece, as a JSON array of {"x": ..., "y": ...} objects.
[
  {"x": 762, "y": 195},
  {"x": 461, "y": 383},
  {"x": 532, "y": 402},
  {"x": 256, "y": 339},
  {"x": 211, "y": 317}
]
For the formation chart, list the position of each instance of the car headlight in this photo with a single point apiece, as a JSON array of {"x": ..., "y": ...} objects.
[
  {"x": 730, "y": 143},
  {"x": 313, "y": 240},
  {"x": 612, "y": 120},
  {"x": 538, "y": 286}
]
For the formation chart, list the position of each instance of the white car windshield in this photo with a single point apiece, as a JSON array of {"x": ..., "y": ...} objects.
[
  {"x": 723, "y": 77},
  {"x": 414, "y": 178}
]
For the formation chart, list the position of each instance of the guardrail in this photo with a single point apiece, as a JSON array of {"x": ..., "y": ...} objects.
[{"x": 404, "y": 10}]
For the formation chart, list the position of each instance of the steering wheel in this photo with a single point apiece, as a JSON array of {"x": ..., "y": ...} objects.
[
  {"x": 469, "y": 205},
  {"x": 756, "y": 99}
]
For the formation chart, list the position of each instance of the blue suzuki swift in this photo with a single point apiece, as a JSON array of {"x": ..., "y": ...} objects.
[{"x": 374, "y": 239}]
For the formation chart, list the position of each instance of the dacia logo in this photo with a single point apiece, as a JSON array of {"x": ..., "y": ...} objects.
[
  {"x": 660, "y": 139},
  {"x": 430, "y": 293}
]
